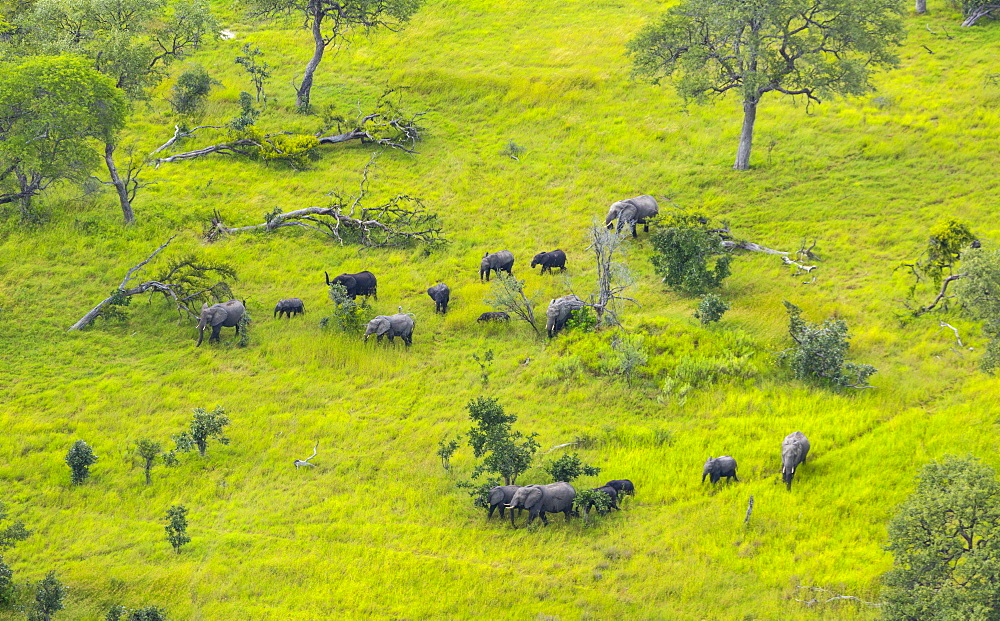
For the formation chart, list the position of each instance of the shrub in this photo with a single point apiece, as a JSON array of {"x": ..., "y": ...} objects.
[
  {"x": 446, "y": 450},
  {"x": 191, "y": 90},
  {"x": 204, "y": 426},
  {"x": 569, "y": 467},
  {"x": 583, "y": 320},
  {"x": 627, "y": 358},
  {"x": 682, "y": 255},
  {"x": 49, "y": 595},
  {"x": 711, "y": 308},
  {"x": 177, "y": 527},
  {"x": 505, "y": 452},
  {"x": 8, "y": 591},
  {"x": 79, "y": 459},
  {"x": 591, "y": 499},
  {"x": 149, "y": 613},
  {"x": 820, "y": 352},
  {"x": 348, "y": 315}
]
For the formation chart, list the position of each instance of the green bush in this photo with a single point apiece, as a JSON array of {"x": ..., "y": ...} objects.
[
  {"x": 191, "y": 91},
  {"x": 569, "y": 467},
  {"x": 348, "y": 316},
  {"x": 711, "y": 308},
  {"x": 80, "y": 458},
  {"x": 682, "y": 256},
  {"x": 820, "y": 351}
]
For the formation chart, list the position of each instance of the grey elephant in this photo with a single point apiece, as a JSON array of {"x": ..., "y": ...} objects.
[
  {"x": 219, "y": 316},
  {"x": 500, "y": 496},
  {"x": 611, "y": 492},
  {"x": 794, "y": 449},
  {"x": 550, "y": 260},
  {"x": 623, "y": 486},
  {"x": 719, "y": 467},
  {"x": 400, "y": 324},
  {"x": 559, "y": 311},
  {"x": 289, "y": 307},
  {"x": 633, "y": 211},
  {"x": 362, "y": 283},
  {"x": 441, "y": 294},
  {"x": 542, "y": 499},
  {"x": 502, "y": 261}
]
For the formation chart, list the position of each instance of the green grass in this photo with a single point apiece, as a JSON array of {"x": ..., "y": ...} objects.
[{"x": 378, "y": 528}]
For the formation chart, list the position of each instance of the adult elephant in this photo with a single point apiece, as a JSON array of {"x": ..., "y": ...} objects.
[
  {"x": 559, "y": 311},
  {"x": 542, "y": 499},
  {"x": 400, "y": 324},
  {"x": 219, "y": 316},
  {"x": 502, "y": 261},
  {"x": 441, "y": 294},
  {"x": 499, "y": 497},
  {"x": 633, "y": 211},
  {"x": 794, "y": 449},
  {"x": 550, "y": 260},
  {"x": 362, "y": 283}
]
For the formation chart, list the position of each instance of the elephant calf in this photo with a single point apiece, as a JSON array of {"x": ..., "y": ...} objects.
[
  {"x": 440, "y": 293},
  {"x": 550, "y": 260},
  {"x": 622, "y": 486},
  {"x": 502, "y": 261},
  {"x": 219, "y": 316},
  {"x": 400, "y": 324},
  {"x": 289, "y": 307},
  {"x": 794, "y": 449},
  {"x": 362, "y": 283},
  {"x": 612, "y": 493},
  {"x": 718, "y": 468},
  {"x": 494, "y": 316}
]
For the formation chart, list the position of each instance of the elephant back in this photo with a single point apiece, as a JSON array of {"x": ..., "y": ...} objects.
[
  {"x": 561, "y": 307},
  {"x": 557, "y": 497},
  {"x": 234, "y": 310},
  {"x": 645, "y": 206},
  {"x": 794, "y": 449}
]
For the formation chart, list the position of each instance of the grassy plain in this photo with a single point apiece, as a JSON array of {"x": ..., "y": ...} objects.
[{"x": 378, "y": 529}]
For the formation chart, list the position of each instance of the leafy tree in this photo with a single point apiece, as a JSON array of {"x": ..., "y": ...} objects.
[
  {"x": 8, "y": 591},
  {"x": 814, "y": 48},
  {"x": 51, "y": 110},
  {"x": 504, "y": 451},
  {"x": 12, "y": 533},
  {"x": 681, "y": 255},
  {"x": 979, "y": 292},
  {"x": 204, "y": 426},
  {"x": 332, "y": 22},
  {"x": 711, "y": 308},
  {"x": 569, "y": 467},
  {"x": 177, "y": 527},
  {"x": 447, "y": 448},
  {"x": 49, "y": 595},
  {"x": 820, "y": 351},
  {"x": 80, "y": 458},
  {"x": 945, "y": 543},
  {"x": 149, "y": 613},
  {"x": 148, "y": 451},
  {"x": 255, "y": 66},
  {"x": 485, "y": 362},
  {"x": 191, "y": 90}
]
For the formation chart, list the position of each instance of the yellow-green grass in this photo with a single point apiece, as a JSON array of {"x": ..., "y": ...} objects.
[{"x": 378, "y": 528}]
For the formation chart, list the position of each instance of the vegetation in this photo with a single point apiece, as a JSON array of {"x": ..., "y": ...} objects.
[
  {"x": 690, "y": 259},
  {"x": 868, "y": 176},
  {"x": 979, "y": 292},
  {"x": 177, "y": 527},
  {"x": 148, "y": 451},
  {"x": 149, "y": 613},
  {"x": 711, "y": 308},
  {"x": 820, "y": 351},
  {"x": 569, "y": 467},
  {"x": 205, "y": 426},
  {"x": 79, "y": 459},
  {"x": 945, "y": 543},
  {"x": 191, "y": 90},
  {"x": 504, "y": 452},
  {"x": 49, "y": 596}
]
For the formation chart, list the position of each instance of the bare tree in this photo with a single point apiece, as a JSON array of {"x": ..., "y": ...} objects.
[
  {"x": 613, "y": 278},
  {"x": 184, "y": 281},
  {"x": 507, "y": 294},
  {"x": 128, "y": 186}
]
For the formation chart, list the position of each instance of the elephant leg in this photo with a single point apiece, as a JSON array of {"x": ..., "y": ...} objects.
[
  {"x": 736, "y": 477},
  {"x": 545, "y": 521},
  {"x": 645, "y": 227},
  {"x": 634, "y": 234},
  {"x": 567, "y": 513},
  {"x": 216, "y": 330},
  {"x": 492, "y": 509},
  {"x": 408, "y": 340}
]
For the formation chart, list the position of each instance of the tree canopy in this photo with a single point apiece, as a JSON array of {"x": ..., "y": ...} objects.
[
  {"x": 814, "y": 48},
  {"x": 52, "y": 108}
]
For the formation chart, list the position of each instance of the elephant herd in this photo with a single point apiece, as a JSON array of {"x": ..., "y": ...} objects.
[
  {"x": 552, "y": 498},
  {"x": 794, "y": 449}
]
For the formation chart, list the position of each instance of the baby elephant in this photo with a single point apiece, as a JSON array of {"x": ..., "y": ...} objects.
[
  {"x": 550, "y": 260},
  {"x": 440, "y": 293},
  {"x": 624, "y": 487},
  {"x": 612, "y": 492},
  {"x": 289, "y": 307},
  {"x": 494, "y": 316},
  {"x": 718, "y": 468}
]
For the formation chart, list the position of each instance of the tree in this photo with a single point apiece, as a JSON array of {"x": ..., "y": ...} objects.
[
  {"x": 711, "y": 308},
  {"x": 51, "y": 110},
  {"x": 504, "y": 451},
  {"x": 148, "y": 451},
  {"x": 814, "y": 48},
  {"x": 49, "y": 595},
  {"x": 820, "y": 352},
  {"x": 254, "y": 64},
  {"x": 204, "y": 426},
  {"x": 569, "y": 467},
  {"x": 12, "y": 533},
  {"x": 975, "y": 10},
  {"x": 80, "y": 458},
  {"x": 177, "y": 527},
  {"x": 332, "y": 22},
  {"x": 507, "y": 295},
  {"x": 979, "y": 292},
  {"x": 613, "y": 278},
  {"x": 149, "y": 613},
  {"x": 8, "y": 591},
  {"x": 945, "y": 543},
  {"x": 681, "y": 255}
]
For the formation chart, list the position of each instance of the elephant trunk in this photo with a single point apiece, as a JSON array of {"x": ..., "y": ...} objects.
[
  {"x": 703, "y": 475},
  {"x": 201, "y": 334}
]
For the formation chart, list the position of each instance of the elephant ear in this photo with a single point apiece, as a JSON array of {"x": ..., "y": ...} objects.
[
  {"x": 382, "y": 326},
  {"x": 533, "y": 497},
  {"x": 218, "y": 317}
]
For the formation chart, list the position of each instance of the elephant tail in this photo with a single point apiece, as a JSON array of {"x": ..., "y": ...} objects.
[{"x": 327, "y": 278}]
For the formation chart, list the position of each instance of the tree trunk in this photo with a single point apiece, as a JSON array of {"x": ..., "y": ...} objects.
[
  {"x": 26, "y": 194},
  {"x": 921, "y": 6},
  {"x": 109, "y": 150},
  {"x": 746, "y": 135},
  {"x": 303, "y": 92}
]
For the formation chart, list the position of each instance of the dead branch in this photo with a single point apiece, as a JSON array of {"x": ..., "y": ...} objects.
[
  {"x": 746, "y": 520},
  {"x": 559, "y": 446},
  {"x": 181, "y": 133},
  {"x": 612, "y": 278},
  {"x": 940, "y": 296},
  {"x": 946, "y": 34},
  {"x": 804, "y": 253},
  {"x": 980, "y": 12},
  {"x": 730, "y": 244},
  {"x": 226, "y": 148},
  {"x": 175, "y": 284},
  {"x": 812, "y": 602}
]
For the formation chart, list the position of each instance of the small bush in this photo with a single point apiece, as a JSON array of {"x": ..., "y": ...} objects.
[
  {"x": 190, "y": 91},
  {"x": 348, "y": 315},
  {"x": 588, "y": 499},
  {"x": 149, "y": 613},
  {"x": 79, "y": 459},
  {"x": 177, "y": 527},
  {"x": 204, "y": 426},
  {"x": 49, "y": 596},
  {"x": 821, "y": 350},
  {"x": 8, "y": 592},
  {"x": 569, "y": 467},
  {"x": 582, "y": 320},
  {"x": 628, "y": 356},
  {"x": 711, "y": 308},
  {"x": 446, "y": 450},
  {"x": 682, "y": 256}
]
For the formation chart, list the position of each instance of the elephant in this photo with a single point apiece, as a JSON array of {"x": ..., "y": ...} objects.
[
  {"x": 291, "y": 306},
  {"x": 794, "y": 449},
  {"x": 440, "y": 293},
  {"x": 400, "y": 324},
  {"x": 502, "y": 261},
  {"x": 494, "y": 316},
  {"x": 633, "y": 211},
  {"x": 499, "y": 497},
  {"x": 610, "y": 491},
  {"x": 550, "y": 260},
  {"x": 623, "y": 486},
  {"x": 542, "y": 499},
  {"x": 718, "y": 468},
  {"x": 559, "y": 311},
  {"x": 362, "y": 283},
  {"x": 219, "y": 316}
]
